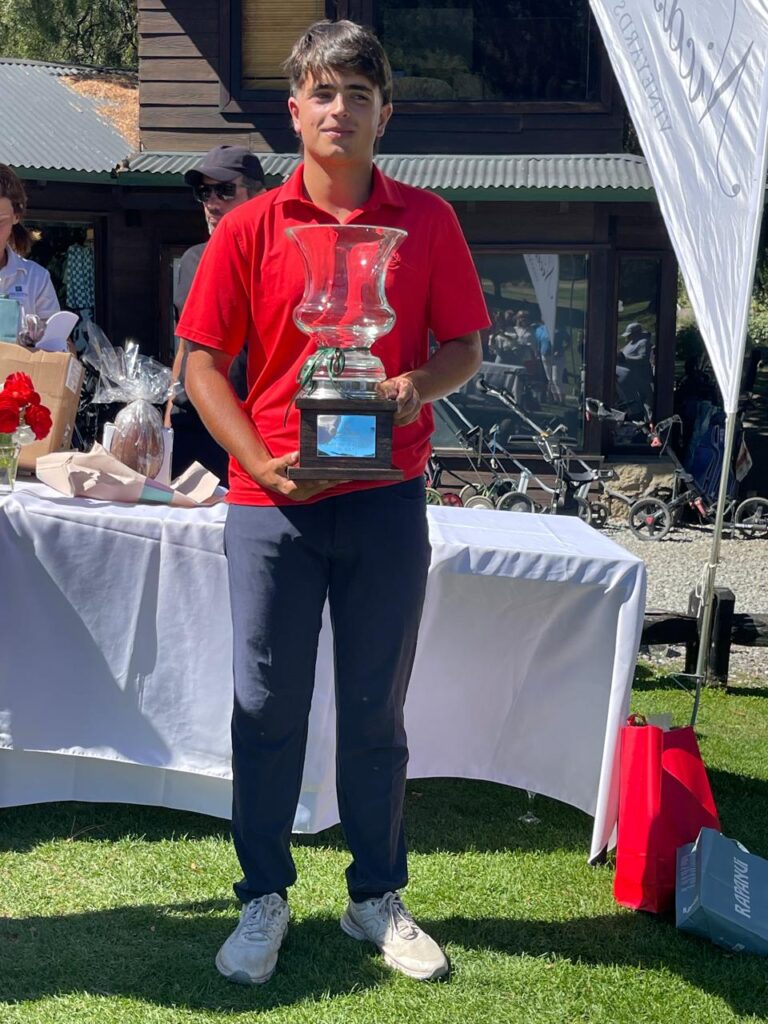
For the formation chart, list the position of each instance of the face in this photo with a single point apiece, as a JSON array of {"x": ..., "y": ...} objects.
[
  {"x": 7, "y": 219},
  {"x": 214, "y": 207},
  {"x": 339, "y": 117}
]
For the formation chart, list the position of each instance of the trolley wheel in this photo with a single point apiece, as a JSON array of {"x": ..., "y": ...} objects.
[
  {"x": 650, "y": 519},
  {"x": 515, "y": 501},
  {"x": 433, "y": 496},
  {"x": 502, "y": 487},
  {"x": 452, "y": 498},
  {"x": 600, "y": 514},
  {"x": 478, "y": 501},
  {"x": 583, "y": 510},
  {"x": 468, "y": 491},
  {"x": 751, "y": 518}
]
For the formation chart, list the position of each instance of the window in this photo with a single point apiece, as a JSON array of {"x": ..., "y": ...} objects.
[
  {"x": 66, "y": 248},
  {"x": 637, "y": 330},
  {"x": 534, "y": 349},
  {"x": 269, "y": 30},
  {"x": 540, "y": 52},
  {"x": 515, "y": 50}
]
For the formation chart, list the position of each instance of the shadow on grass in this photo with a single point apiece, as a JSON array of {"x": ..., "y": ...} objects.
[
  {"x": 741, "y": 803},
  {"x": 624, "y": 939},
  {"x": 164, "y": 955},
  {"x": 109, "y": 953},
  {"x": 451, "y": 815},
  {"x": 23, "y": 828},
  {"x": 747, "y": 691},
  {"x": 457, "y": 816},
  {"x": 652, "y": 677},
  {"x": 648, "y": 677}
]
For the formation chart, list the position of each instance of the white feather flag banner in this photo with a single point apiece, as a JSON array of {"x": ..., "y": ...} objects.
[
  {"x": 544, "y": 272},
  {"x": 694, "y": 74}
]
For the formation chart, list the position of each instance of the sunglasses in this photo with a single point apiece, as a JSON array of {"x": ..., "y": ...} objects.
[{"x": 226, "y": 191}]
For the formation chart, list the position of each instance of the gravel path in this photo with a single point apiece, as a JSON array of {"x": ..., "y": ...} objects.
[{"x": 675, "y": 565}]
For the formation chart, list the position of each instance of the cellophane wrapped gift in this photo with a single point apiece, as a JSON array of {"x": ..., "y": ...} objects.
[{"x": 125, "y": 375}]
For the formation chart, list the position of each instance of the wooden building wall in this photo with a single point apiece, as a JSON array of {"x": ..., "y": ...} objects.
[
  {"x": 180, "y": 79},
  {"x": 183, "y": 58}
]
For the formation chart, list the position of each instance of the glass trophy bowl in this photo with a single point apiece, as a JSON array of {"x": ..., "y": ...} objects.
[
  {"x": 344, "y": 306},
  {"x": 345, "y": 427}
]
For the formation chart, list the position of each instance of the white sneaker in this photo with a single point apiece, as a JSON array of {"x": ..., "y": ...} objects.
[
  {"x": 386, "y": 922},
  {"x": 249, "y": 956}
]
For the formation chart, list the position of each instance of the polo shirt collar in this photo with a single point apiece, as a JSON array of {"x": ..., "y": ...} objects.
[
  {"x": 14, "y": 264},
  {"x": 385, "y": 191}
]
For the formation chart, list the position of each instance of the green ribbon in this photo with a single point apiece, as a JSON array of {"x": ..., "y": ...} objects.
[{"x": 329, "y": 357}]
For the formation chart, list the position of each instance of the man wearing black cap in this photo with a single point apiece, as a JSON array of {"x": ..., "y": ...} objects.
[{"x": 225, "y": 178}]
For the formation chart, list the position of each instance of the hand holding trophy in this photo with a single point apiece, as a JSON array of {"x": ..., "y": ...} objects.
[{"x": 345, "y": 428}]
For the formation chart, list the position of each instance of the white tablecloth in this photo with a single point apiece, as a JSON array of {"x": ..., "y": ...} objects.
[{"x": 115, "y": 661}]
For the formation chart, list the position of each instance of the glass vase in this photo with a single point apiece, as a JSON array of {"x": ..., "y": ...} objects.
[
  {"x": 344, "y": 306},
  {"x": 9, "y": 463}
]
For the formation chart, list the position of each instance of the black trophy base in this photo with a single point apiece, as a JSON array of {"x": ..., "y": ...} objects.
[
  {"x": 354, "y": 473},
  {"x": 345, "y": 439}
]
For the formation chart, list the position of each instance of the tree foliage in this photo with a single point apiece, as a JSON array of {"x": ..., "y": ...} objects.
[{"x": 97, "y": 32}]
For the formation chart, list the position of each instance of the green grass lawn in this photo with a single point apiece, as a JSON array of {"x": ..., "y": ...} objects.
[{"x": 114, "y": 913}]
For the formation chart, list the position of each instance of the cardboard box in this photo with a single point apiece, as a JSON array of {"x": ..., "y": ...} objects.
[
  {"x": 722, "y": 893},
  {"x": 58, "y": 379}
]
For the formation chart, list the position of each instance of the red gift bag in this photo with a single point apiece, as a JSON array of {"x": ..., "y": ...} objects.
[{"x": 664, "y": 800}]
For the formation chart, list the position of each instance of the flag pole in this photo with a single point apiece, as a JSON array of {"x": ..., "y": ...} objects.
[
  {"x": 707, "y": 610},
  {"x": 705, "y": 633}
]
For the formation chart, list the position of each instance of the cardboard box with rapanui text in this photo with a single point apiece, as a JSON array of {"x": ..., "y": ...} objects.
[{"x": 58, "y": 379}]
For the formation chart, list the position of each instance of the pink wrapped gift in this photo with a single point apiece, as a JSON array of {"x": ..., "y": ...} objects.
[{"x": 97, "y": 474}]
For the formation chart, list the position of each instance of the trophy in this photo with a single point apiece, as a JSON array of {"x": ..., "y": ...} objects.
[{"x": 345, "y": 430}]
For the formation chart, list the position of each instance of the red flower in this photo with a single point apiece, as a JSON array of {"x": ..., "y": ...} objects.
[
  {"x": 10, "y": 410},
  {"x": 39, "y": 418},
  {"x": 19, "y": 401},
  {"x": 20, "y": 387}
]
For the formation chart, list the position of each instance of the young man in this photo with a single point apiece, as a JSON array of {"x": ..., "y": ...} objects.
[
  {"x": 225, "y": 178},
  {"x": 290, "y": 545}
]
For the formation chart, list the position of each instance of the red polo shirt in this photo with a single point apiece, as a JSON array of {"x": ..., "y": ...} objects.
[{"x": 251, "y": 278}]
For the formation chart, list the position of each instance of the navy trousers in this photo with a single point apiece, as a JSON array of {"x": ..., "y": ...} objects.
[{"x": 368, "y": 553}]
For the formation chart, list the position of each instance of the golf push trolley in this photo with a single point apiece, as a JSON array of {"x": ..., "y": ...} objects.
[
  {"x": 495, "y": 486},
  {"x": 652, "y": 516}
]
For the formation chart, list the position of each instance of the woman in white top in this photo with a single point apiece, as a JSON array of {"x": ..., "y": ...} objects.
[{"x": 21, "y": 281}]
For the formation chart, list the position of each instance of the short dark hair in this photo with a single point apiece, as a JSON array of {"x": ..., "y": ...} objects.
[
  {"x": 12, "y": 189},
  {"x": 339, "y": 46}
]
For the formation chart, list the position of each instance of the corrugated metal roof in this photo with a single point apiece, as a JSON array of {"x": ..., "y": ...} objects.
[
  {"x": 48, "y": 125},
  {"x": 511, "y": 172},
  {"x": 446, "y": 173},
  {"x": 276, "y": 165}
]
